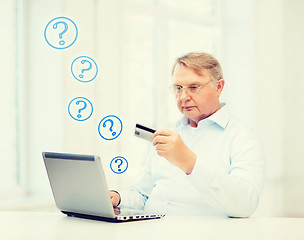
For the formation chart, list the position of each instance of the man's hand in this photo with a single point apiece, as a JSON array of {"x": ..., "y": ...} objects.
[
  {"x": 115, "y": 198},
  {"x": 170, "y": 145}
]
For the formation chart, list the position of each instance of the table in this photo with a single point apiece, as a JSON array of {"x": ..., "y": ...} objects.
[{"x": 55, "y": 225}]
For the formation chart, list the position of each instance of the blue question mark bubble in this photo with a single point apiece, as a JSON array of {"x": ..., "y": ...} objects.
[
  {"x": 84, "y": 69},
  {"x": 80, "y": 109},
  {"x": 61, "y": 42},
  {"x": 61, "y": 33},
  {"x": 110, "y": 127},
  {"x": 119, "y": 165}
]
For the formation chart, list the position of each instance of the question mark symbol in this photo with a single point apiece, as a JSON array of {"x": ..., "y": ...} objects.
[
  {"x": 62, "y": 42},
  {"x": 86, "y": 69},
  {"x": 79, "y": 110},
  {"x": 120, "y": 163},
  {"x": 112, "y": 123}
]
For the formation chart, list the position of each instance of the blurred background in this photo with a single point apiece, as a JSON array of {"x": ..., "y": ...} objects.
[{"x": 259, "y": 44}]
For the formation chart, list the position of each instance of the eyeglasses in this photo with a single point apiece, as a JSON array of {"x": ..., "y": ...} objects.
[{"x": 192, "y": 89}]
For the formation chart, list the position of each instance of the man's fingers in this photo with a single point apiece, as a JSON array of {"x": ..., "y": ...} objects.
[
  {"x": 114, "y": 201},
  {"x": 161, "y": 152},
  {"x": 115, "y": 197},
  {"x": 159, "y": 147},
  {"x": 159, "y": 139},
  {"x": 164, "y": 132}
]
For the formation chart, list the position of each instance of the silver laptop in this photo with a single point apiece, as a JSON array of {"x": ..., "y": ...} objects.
[{"x": 79, "y": 188}]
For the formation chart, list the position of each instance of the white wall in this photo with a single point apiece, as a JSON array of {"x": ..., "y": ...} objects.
[
  {"x": 293, "y": 107},
  {"x": 269, "y": 83},
  {"x": 279, "y": 99},
  {"x": 238, "y": 47}
]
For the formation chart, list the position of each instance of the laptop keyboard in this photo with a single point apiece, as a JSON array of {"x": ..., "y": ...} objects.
[{"x": 127, "y": 214}]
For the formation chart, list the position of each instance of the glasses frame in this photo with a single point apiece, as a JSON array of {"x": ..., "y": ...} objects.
[{"x": 187, "y": 88}]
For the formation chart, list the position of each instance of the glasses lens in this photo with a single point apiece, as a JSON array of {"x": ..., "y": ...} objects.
[
  {"x": 193, "y": 89},
  {"x": 176, "y": 89}
]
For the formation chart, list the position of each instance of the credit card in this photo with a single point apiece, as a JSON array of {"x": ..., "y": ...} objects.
[{"x": 144, "y": 132}]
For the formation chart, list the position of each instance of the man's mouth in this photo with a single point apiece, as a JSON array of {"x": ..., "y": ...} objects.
[{"x": 188, "y": 108}]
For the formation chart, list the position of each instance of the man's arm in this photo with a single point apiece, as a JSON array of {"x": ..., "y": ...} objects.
[
  {"x": 136, "y": 196},
  {"x": 235, "y": 193}
]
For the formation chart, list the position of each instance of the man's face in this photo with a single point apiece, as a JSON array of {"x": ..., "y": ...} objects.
[{"x": 201, "y": 104}]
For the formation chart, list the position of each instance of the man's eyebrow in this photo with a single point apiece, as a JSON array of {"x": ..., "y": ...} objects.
[
  {"x": 192, "y": 83},
  {"x": 195, "y": 83}
]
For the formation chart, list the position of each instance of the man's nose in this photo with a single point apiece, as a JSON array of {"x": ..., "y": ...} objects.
[{"x": 184, "y": 95}]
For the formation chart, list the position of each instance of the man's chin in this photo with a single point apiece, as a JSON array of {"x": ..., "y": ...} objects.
[{"x": 190, "y": 114}]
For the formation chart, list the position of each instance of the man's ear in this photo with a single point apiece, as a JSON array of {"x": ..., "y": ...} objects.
[{"x": 220, "y": 86}]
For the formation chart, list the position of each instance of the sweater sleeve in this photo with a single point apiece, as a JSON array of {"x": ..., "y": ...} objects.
[{"x": 138, "y": 193}]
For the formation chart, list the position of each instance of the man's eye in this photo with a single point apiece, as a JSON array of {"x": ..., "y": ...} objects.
[
  {"x": 178, "y": 88},
  {"x": 193, "y": 87}
]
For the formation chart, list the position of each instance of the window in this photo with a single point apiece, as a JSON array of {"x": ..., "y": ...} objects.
[{"x": 9, "y": 142}]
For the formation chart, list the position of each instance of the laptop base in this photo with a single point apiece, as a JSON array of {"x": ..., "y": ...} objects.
[{"x": 99, "y": 218}]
